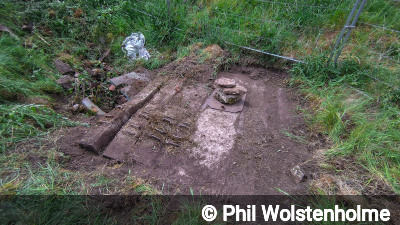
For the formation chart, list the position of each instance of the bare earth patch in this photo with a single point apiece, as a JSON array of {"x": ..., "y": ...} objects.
[{"x": 177, "y": 143}]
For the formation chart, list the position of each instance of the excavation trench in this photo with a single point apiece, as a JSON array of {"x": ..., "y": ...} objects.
[{"x": 179, "y": 143}]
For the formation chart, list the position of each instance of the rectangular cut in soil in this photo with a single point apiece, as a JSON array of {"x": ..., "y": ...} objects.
[
  {"x": 136, "y": 135},
  {"x": 130, "y": 132},
  {"x": 102, "y": 135},
  {"x": 135, "y": 87}
]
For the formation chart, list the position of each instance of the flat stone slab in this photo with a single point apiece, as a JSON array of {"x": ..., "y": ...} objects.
[
  {"x": 89, "y": 105},
  {"x": 65, "y": 81},
  {"x": 128, "y": 78},
  {"x": 63, "y": 68},
  {"x": 234, "y": 108},
  {"x": 225, "y": 82}
]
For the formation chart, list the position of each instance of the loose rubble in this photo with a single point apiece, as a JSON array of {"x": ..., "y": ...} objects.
[
  {"x": 132, "y": 82},
  {"x": 63, "y": 68},
  {"x": 297, "y": 174},
  {"x": 90, "y": 106},
  {"x": 75, "y": 107},
  {"x": 65, "y": 81},
  {"x": 228, "y": 92}
]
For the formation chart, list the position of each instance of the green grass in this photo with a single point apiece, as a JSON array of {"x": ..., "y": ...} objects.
[
  {"x": 52, "y": 210},
  {"x": 23, "y": 72},
  {"x": 366, "y": 128},
  {"x": 22, "y": 122}
]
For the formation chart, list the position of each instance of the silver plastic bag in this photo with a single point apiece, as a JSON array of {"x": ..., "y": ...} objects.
[{"x": 133, "y": 46}]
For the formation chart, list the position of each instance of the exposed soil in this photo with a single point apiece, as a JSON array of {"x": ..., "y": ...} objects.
[{"x": 177, "y": 143}]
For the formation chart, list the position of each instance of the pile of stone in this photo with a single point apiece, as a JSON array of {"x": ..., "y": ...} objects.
[{"x": 228, "y": 92}]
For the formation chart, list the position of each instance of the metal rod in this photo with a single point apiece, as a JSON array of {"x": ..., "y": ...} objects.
[
  {"x": 267, "y": 53},
  {"x": 353, "y": 24},
  {"x": 339, "y": 40}
]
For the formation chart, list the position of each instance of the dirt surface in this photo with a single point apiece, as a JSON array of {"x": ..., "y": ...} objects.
[{"x": 177, "y": 143}]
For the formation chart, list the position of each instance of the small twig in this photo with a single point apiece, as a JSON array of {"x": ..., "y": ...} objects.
[
  {"x": 129, "y": 132},
  {"x": 83, "y": 90},
  {"x": 104, "y": 55},
  {"x": 155, "y": 137},
  {"x": 135, "y": 126},
  {"x": 177, "y": 137},
  {"x": 171, "y": 143},
  {"x": 144, "y": 116},
  {"x": 6, "y": 29},
  {"x": 159, "y": 130},
  {"x": 41, "y": 38},
  {"x": 76, "y": 86},
  {"x": 183, "y": 125},
  {"x": 168, "y": 120}
]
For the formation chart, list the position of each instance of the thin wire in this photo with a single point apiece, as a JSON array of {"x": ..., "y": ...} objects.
[
  {"x": 384, "y": 28},
  {"x": 359, "y": 91},
  {"x": 260, "y": 51},
  {"x": 254, "y": 35},
  {"x": 145, "y": 13},
  {"x": 155, "y": 17},
  {"x": 275, "y": 55},
  {"x": 242, "y": 32},
  {"x": 383, "y": 82},
  {"x": 267, "y": 53},
  {"x": 272, "y": 21},
  {"x": 382, "y": 55},
  {"x": 287, "y": 3}
]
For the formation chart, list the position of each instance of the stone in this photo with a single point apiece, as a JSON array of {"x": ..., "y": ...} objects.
[
  {"x": 65, "y": 81},
  {"x": 254, "y": 76},
  {"x": 89, "y": 105},
  {"x": 128, "y": 79},
  {"x": 63, "y": 68},
  {"x": 226, "y": 99},
  {"x": 75, "y": 107},
  {"x": 297, "y": 174},
  {"x": 246, "y": 70},
  {"x": 28, "y": 27},
  {"x": 213, "y": 103},
  {"x": 238, "y": 90},
  {"x": 121, "y": 100},
  {"x": 225, "y": 82},
  {"x": 97, "y": 72}
]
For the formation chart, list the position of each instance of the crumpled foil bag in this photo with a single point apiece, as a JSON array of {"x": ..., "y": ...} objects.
[{"x": 133, "y": 46}]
